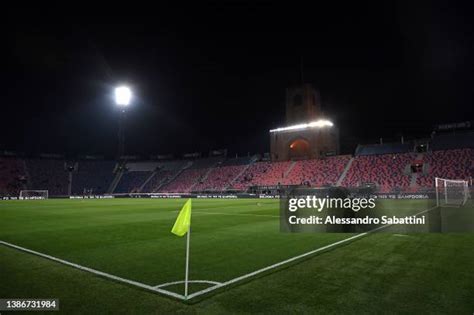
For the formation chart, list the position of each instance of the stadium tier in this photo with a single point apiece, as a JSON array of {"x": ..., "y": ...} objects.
[
  {"x": 130, "y": 182},
  {"x": 451, "y": 164},
  {"x": 51, "y": 175},
  {"x": 195, "y": 174},
  {"x": 12, "y": 176},
  {"x": 185, "y": 181},
  {"x": 158, "y": 179},
  {"x": 219, "y": 178},
  {"x": 317, "y": 173},
  {"x": 262, "y": 174},
  {"x": 147, "y": 176},
  {"x": 94, "y": 176},
  {"x": 133, "y": 176},
  {"x": 387, "y": 172}
]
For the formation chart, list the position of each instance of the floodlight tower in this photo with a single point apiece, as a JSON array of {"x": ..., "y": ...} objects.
[{"x": 123, "y": 96}]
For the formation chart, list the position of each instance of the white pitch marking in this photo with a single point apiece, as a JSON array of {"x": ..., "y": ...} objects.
[
  {"x": 97, "y": 272},
  {"x": 400, "y": 235},
  {"x": 190, "y": 281},
  {"x": 238, "y": 214}
]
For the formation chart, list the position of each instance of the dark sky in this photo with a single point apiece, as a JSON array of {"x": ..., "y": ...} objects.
[{"x": 214, "y": 75}]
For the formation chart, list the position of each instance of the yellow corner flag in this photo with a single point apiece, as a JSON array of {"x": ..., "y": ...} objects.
[{"x": 183, "y": 221}]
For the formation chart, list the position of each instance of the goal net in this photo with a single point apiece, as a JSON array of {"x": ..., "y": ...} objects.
[
  {"x": 450, "y": 192},
  {"x": 33, "y": 194}
]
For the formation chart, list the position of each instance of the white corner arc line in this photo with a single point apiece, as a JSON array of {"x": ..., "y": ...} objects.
[
  {"x": 96, "y": 272},
  {"x": 182, "y": 281},
  {"x": 256, "y": 272}
]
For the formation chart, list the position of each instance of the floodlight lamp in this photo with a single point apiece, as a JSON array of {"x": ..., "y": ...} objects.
[
  {"x": 320, "y": 123},
  {"x": 123, "y": 95},
  {"x": 315, "y": 124}
]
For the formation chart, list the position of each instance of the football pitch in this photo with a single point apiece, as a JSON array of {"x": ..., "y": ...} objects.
[{"x": 126, "y": 251}]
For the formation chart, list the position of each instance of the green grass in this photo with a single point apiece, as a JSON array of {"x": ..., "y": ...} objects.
[{"x": 130, "y": 238}]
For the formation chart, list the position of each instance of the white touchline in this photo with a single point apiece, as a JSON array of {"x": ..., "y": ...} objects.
[
  {"x": 217, "y": 284},
  {"x": 97, "y": 272}
]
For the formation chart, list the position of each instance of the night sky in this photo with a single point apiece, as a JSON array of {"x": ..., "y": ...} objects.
[{"x": 214, "y": 75}]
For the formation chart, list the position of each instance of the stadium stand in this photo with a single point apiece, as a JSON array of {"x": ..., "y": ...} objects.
[
  {"x": 12, "y": 176},
  {"x": 185, "y": 181},
  {"x": 317, "y": 173},
  {"x": 165, "y": 172},
  {"x": 131, "y": 181},
  {"x": 149, "y": 174},
  {"x": 50, "y": 175},
  {"x": 399, "y": 170},
  {"x": 450, "y": 164},
  {"x": 261, "y": 174},
  {"x": 389, "y": 172},
  {"x": 386, "y": 171},
  {"x": 134, "y": 176},
  {"x": 159, "y": 178},
  {"x": 193, "y": 175},
  {"x": 95, "y": 175},
  {"x": 219, "y": 178}
]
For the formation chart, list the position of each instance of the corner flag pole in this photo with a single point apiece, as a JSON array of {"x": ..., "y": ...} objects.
[
  {"x": 186, "y": 277},
  {"x": 183, "y": 226}
]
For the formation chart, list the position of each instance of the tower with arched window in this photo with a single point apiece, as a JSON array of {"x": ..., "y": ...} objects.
[{"x": 308, "y": 133}]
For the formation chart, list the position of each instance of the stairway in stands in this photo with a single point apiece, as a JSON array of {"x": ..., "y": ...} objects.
[
  {"x": 290, "y": 168},
  {"x": 253, "y": 160},
  {"x": 116, "y": 179},
  {"x": 166, "y": 182},
  {"x": 153, "y": 174},
  {"x": 203, "y": 178},
  {"x": 414, "y": 176},
  {"x": 344, "y": 172}
]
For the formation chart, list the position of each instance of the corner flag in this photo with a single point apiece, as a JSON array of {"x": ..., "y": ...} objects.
[
  {"x": 183, "y": 226},
  {"x": 183, "y": 221}
]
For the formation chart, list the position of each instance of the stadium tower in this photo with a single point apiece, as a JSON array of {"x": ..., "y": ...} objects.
[{"x": 307, "y": 134}]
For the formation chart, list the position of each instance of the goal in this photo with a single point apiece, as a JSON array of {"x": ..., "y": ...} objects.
[
  {"x": 33, "y": 194},
  {"x": 451, "y": 192}
]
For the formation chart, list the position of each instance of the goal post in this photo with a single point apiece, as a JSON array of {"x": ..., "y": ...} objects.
[
  {"x": 451, "y": 192},
  {"x": 33, "y": 194}
]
